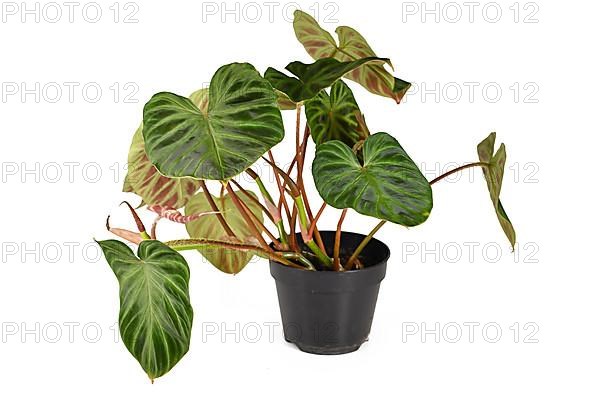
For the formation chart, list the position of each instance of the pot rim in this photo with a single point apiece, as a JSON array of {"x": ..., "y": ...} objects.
[{"x": 377, "y": 264}]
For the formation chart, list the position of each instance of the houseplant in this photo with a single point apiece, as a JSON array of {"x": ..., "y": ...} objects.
[{"x": 218, "y": 133}]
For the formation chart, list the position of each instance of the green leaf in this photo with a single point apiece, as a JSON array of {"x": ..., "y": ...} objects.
[
  {"x": 312, "y": 77},
  {"x": 240, "y": 124},
  {"x": 387, "y": 185},
  {"x": 334, "y": 116},
  {"x": 494, "y": 175},
  {"x": 352, "y": 46},
  {"x": 155, "y": 319},
  {"x": 208, "y": 227},
  {"x": 144, "y": 179},
  {"x": 284, "y": 102}
]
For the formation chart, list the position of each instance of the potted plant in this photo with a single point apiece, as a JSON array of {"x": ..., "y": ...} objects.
[{"x": 327, "y": 281}]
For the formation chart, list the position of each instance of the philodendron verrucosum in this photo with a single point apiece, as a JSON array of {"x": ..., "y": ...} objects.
[{"x": 218, "y": 134}]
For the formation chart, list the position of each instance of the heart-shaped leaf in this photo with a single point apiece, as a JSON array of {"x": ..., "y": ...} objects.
[
  {"x": 494, "y": 174},
  {"x": 208, "y": 227},
  {"x": 312, "y": 77},
  {"x": 334, "y": 116},
  {"x": 155, "y": 319},
  {"x": 144, "y": 179},
  {"x": 320, "y": 44},
  {"x": 387, "y": 185},
  {"x": 241, "y": 122}
]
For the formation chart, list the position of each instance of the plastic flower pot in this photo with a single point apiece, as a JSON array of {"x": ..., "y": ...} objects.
[{"x": 327, "y": 312}]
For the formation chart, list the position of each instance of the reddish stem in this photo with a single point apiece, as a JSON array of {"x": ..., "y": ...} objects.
[
  {"x": 293, "y": 242},
  {"x": 336, "y": 246},
  {"x": 253, "y": 199},
  {"x": 214, "y": 207},
  {"x": 314, "y": 221},
  {"x": 281, "y": 189},
  {"x": 455, "y": 170},
  {"x": 237, "y": 202},
  {"x": 262, "y": 226}
]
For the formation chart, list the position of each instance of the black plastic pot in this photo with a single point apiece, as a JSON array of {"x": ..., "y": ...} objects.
[{"x": 326, "y": 312}]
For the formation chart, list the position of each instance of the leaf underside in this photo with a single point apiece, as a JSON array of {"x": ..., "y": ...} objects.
[
  {"x": 208, "y": 227},
  {"x": 352, "y": 46},
  {"x": 494, "y": 175}
]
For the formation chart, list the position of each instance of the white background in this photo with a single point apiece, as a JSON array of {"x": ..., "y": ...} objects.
[{"x": 549, "y": 127}]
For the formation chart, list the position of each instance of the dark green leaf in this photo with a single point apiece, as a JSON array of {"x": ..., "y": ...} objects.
[
  {"x": 241, "y": 123},
  {"x": 154, "y": 188},
  {"x": 387, "y": 185},
  {"x": 334, "y": 116},
  {"x": 311, "y": 78},
  {"x": 494, "y": 175},
  {"x": 155, "y": 319},
  {"x": 144, "y": 180}
]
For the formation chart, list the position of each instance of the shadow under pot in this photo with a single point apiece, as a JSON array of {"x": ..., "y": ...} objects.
[{"x": 327, "y": 312}]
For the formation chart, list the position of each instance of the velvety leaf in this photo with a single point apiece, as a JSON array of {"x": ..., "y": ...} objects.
[
  {"x": 240, "y": 124},
  {"x": 284, "y": 102},
  {"x": 208, "y": 227},
  {"x": 352, "y": 46},
  {"x": 311, "y": 78},
  {"x": 155, "y": 319},
  {"x": 334, "y": 116},
  {"x": 387, "y": 185},
  {"x": 144, "y": 179},
  {"x": 494, "y": 175}
]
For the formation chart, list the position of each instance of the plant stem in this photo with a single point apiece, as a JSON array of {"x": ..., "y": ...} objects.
[
  {"x": 455, "y": 170},
  {"x": 301, "y": 156},
  {"x": 310, "y": 243},
  {"x": 262, "y": 226},
  {"x": 298, "y": 113},
  {"x": 195, "y": 244},
  {"x": 271, "y": 208},
  {"x": 284, "y": 258},
  {"x": 214, "y": 207},
  {"x": 300, "y": 258},
  {"x": 313, "y": 224},
  {"x": 336, "y": 245},
  {"x": 253, "y": 199},
  {"x": 138, "y": 221},
  {"x": 247, "y": 218},
  {"x": 281, "y": 188},
  {"x": 293, "y": 241},
  {"x": 363, "y": 244}
]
